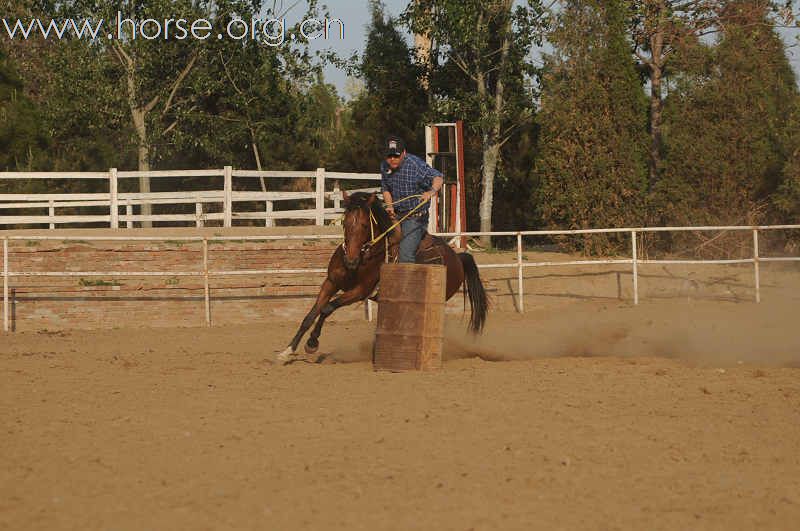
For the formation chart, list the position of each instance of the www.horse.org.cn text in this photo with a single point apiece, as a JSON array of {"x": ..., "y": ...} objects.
[{"x": 270, "y": 31}]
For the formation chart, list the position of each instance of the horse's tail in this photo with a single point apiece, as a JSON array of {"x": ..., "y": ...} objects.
[{"x": 477, "y": 295}]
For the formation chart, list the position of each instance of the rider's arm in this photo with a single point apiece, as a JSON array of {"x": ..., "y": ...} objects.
[
  {"x": 386, "y": 189},
  {"x": 436, "y": 179},
  {"x": 389, "y": 202}
]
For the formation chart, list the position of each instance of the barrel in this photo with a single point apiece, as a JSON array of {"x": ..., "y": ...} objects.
[{"x": 410, "y": 318}]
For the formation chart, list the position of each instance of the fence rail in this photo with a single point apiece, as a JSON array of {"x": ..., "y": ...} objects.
[
  {"x": 520, "y": 264},
  {"x": 225, "y": 198}
]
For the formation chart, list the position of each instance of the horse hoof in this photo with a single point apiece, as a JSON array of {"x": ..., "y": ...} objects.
[
  {"x": 310, "y": 349},
  {"x": 284, "y": 357}
]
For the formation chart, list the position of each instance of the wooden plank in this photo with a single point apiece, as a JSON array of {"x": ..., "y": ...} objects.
[
  {"x": 269, "y": 219},
  {"x": 278, "y": 214},
  {"x": 168, "y": 217},
  {"x": 217, "y": 195},
  {"x": 320, "y": 185},
  {"x": 171, "y": 173},
  {"x": 67, "y": 204},
  {"x": 21, "y": 220},
  {"x": 275, "y": 174},
  {"x": 129, "y": 214},
  {"x": 227, "y": 206},
  {"x": 198, "y": 212},
  {"x": 271, "y": 196},
  {"x": 53, "y": 175},
  {"x": 54, "y": 197},
  {"x": 353, "y": 176},
  {"x": 114, "y": 200}
]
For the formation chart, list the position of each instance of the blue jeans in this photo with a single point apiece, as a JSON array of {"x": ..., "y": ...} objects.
[{"x": 413, "y": 231}]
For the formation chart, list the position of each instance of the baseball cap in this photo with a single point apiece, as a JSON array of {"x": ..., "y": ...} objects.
[{"x": 394, "y": 146}]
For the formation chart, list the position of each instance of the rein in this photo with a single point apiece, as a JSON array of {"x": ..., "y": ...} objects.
[
  {"x": 374, "y": 222},
  {"x": 398, "y": 222}
]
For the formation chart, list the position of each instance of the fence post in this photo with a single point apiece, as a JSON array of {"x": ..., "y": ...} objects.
[
  {"x": 269, "y": 222},
  {"x": 635, "y": 256},
  {"x": 205, "y": 282},
  {"x": 112, "y": 190},
  {"x": 129, "y": 213},
  {"x": 228, "y": 202},
  {"x": 756, "y": 265},
  {"x": 52, "y": 212},
  {"x": 320, "y": 196},
  {"x": 520, "y": 292},
  {"x": 5, "y": 284},
  {"x": 337, "y": 200},
  {"x": 198, "y": 214}
]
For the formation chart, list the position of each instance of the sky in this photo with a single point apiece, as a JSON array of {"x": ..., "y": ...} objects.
[{"x": 355, "y": 16}]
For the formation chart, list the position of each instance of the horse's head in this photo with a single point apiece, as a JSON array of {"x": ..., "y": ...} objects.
[{"x": 358, "y": 230}]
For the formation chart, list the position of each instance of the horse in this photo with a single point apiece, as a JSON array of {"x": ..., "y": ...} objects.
[{"x": 354, "y": 269}]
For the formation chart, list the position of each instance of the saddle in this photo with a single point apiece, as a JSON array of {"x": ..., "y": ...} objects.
[{"x": 430, "y": 250}]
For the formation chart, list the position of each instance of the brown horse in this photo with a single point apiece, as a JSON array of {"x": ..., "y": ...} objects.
[{"x": 354, "y": 269}]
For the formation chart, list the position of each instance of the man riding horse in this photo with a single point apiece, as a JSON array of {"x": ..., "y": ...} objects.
[
  {"x": 371, "y": 238},
  {"x": 408, "y": 183}
]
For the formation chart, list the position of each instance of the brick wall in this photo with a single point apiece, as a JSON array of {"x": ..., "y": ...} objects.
[{"x": 107, "y": 302}]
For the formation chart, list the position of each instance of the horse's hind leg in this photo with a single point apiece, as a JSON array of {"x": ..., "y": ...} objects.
[
  {"x": 348, "y": 297},
  {"x": 325, "y": 293}
]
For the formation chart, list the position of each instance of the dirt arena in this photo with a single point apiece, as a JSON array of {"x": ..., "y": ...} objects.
[{"x": 585, "y": 414}]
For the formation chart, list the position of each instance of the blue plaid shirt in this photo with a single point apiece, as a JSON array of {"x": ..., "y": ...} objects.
[{"x": 413, "y": 177}]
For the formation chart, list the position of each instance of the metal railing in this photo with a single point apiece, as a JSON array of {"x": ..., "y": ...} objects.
[{"x": 520, "y": 264}]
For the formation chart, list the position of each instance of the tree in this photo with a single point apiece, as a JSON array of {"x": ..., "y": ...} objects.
[
  {"x": 787, "y": 199},
  {"x": 592, "y": 166},
  {"x": 728, "y": 130},
  {"x": 22, "y": 141},
  {"x": 661, "y": 28},
  {"x": 392, "y": 100},
  {"x": 483, "y": 72}
]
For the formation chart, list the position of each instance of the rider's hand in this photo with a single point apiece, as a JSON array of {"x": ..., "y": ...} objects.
[{"x": 390, "y": 211}]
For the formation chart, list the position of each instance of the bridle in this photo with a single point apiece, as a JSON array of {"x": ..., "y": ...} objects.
[
  {"x": 369, "y": 243},
  {"x": 382, "y": 236}
]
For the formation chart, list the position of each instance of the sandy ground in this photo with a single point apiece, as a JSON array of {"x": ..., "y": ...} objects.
[{"x": 588, "y": 415}]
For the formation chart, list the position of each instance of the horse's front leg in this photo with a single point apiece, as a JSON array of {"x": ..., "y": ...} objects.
[
  {"x": 325, "y": 293},
  {"x": 356, "y": 294}
]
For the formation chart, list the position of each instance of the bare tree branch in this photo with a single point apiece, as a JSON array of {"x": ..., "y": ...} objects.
[{"x": 178, "y": 81}]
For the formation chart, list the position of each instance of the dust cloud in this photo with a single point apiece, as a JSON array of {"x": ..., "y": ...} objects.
[{"x": 700, "y": 332}]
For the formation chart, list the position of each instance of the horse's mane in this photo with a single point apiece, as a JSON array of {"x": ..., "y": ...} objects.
[{"x": 360, "y": 199}]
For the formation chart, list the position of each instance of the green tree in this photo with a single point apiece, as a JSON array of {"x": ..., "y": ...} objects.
[
  {"x": 23, "y": 144},
  {"x": 787, "y": 200},
  {"x": 392, "y": 100},
  {"x": 662, "y": 28},
  {"x": 728, "y": 129},
  {"x": 484, "y": 74},
  {"x": 592, "y": 169}
]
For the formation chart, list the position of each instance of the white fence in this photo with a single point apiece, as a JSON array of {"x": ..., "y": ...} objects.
[
  {"x": 225, "y": 198},
  {"x": 634, "y": 261}
]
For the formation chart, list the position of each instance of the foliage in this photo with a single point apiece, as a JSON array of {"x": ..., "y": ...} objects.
[
  {"x": 592, "y": 169},
  {"x": 728, "y": 128},
  {"x": 482, "y": 72},
  {"x": 392, "y": 100}
]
